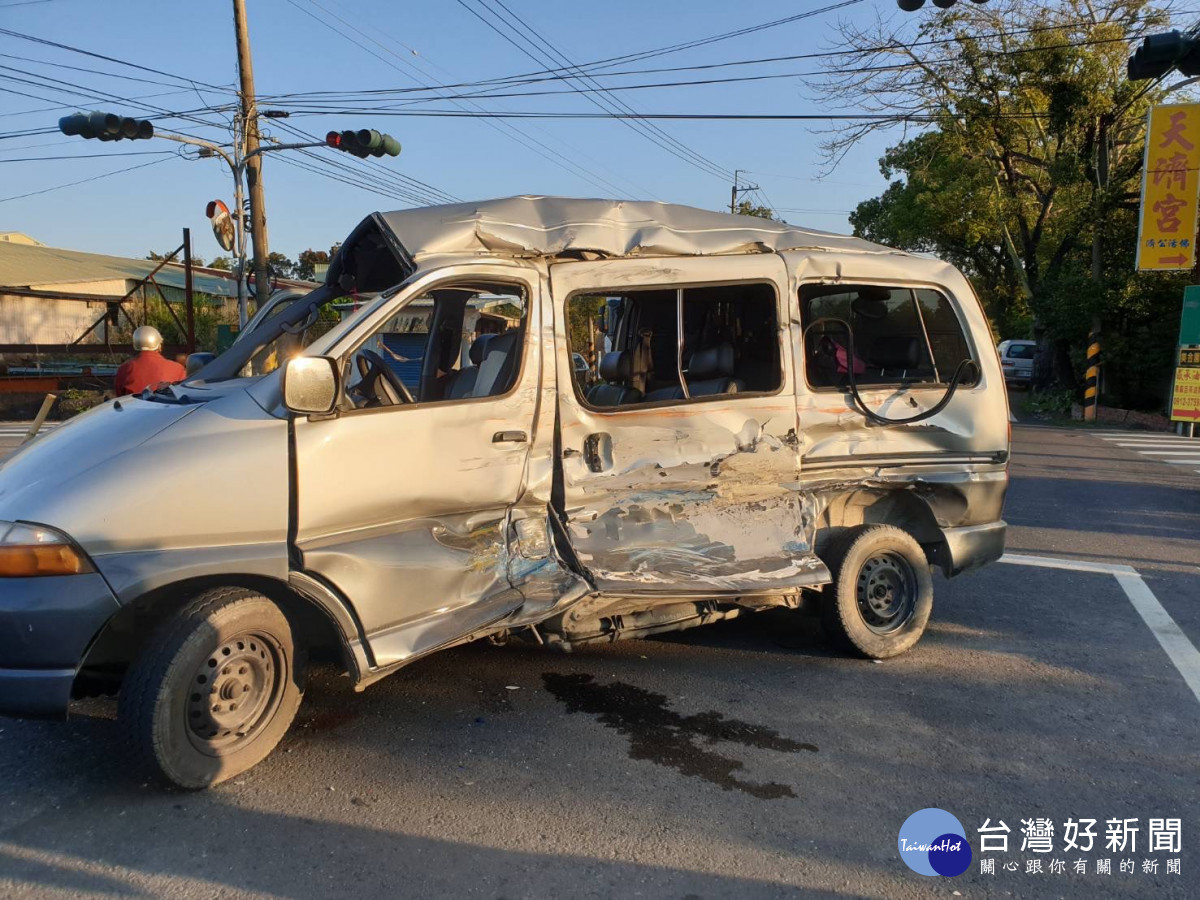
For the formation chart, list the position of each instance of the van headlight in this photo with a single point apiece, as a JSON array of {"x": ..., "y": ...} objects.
[{"x": 28, "y": 550}]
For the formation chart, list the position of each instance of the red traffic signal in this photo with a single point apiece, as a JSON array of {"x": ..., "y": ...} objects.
[{"x": 363, "y": 143}]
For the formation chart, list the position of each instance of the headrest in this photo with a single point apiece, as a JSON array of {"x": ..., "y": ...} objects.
[
  {"x": 712, "y": 362},
  {"x": 616, "y": 366},
  {"x": 895, "y": 351},
  {"x": 479, "y": 348}
]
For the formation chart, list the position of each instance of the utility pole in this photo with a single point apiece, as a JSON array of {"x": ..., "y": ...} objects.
[
  {"x": 735, "y": 190},
  {"x": 1091, "y": 393},
  {"x": 250, "y": 153}
]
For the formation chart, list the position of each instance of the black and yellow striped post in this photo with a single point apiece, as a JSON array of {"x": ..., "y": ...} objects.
[{"x": 1091, "y": 392}]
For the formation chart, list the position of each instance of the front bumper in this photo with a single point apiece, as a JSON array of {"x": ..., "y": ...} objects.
[
  {"x": 46, "y": 626},
  {"x": 971, "y": 546}
]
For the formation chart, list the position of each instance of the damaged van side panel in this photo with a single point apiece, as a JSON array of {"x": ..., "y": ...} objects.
[
  {"x": 699, "y": 497},
  {"x": 932, "y": 477}
]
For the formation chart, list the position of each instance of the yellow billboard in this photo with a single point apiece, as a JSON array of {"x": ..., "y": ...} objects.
[{"x": 1170, "y": 188}]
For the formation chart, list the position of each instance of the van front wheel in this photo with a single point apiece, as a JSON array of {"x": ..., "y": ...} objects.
[
  {"x": 214, "y": 690},
  {"x": 882, "y": 591}
]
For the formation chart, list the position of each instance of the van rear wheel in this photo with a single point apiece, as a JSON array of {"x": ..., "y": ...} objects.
[
  {"x": 882, "y": 592},
  {"x": 215, "y": 689}
]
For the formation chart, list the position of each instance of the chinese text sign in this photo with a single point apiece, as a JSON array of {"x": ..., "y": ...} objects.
[{"x": 1170, "y": 188}]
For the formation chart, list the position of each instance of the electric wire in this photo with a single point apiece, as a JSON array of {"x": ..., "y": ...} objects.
[
  {"x": 655, "y": 135},
  {"x": 528, "y": 141},
  {"x": 68, "y": 184}
]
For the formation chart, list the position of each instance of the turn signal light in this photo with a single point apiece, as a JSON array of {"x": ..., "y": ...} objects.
[{"x": 31, "y": 550}]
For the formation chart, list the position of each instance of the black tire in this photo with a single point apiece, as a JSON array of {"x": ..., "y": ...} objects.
[
  {"x": 882, "y": 592},
  {"x": 179, "y": 704}
]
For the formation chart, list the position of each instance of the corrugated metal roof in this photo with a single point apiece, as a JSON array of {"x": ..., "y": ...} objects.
[{"x": 24, "y": 266}]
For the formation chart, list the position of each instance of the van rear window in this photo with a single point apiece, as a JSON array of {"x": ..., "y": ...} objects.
[{"x": 901, "y": 336}]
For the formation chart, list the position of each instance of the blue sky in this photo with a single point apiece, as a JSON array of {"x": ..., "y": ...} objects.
[{"x": 294, "y": 53}]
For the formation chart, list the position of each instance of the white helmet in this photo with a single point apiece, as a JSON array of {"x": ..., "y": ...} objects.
[{"x": 147, "y": 338}]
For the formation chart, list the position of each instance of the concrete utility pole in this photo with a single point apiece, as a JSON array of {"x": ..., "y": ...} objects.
[
  {"x": 735, "y": 190},
  {"x": 253, "y": 160},
  {"x": 1091, "y": 394}
]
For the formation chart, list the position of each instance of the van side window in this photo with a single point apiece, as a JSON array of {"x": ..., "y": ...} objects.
[
  {"x": 459, "y": 342},
  {"x": 636, "y": 347},
  {"x": 901, "y": 336}
]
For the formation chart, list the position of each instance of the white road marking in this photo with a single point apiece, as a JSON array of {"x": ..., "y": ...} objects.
[
  {"x": 1154, "y": 446},
  {"x": 1182, "y": 652}
]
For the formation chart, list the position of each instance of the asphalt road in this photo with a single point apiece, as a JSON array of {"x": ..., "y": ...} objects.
[{"x": 743, "y": 759}]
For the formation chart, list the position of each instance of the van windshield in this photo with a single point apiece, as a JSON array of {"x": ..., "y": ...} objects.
[{"x": 283, "y": 333}]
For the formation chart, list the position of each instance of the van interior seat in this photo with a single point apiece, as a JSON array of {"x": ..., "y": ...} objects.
[
  {"x": 616, "y": 369},
  {"x": 710, "y": 372},
  {"x": 499, "y": 367},
  {"x": 459, "y": 384},
  {"x": 894, "y": 354}
]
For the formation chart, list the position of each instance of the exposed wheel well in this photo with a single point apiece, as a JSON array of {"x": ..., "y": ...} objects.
[
  {"x": 899, "y": 507},
  {"x": 124, "y": 635}
]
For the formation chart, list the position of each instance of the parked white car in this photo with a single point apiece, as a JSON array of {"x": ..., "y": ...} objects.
[{"x": 1016, "y": 361}]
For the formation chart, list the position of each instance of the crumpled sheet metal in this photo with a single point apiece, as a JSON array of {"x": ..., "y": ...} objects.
[{"x": 535, "y": 226}]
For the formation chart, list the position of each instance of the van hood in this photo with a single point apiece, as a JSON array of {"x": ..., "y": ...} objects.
[
  {"x": 80, "y": 445},
  {"x": 148, "y": 476}
]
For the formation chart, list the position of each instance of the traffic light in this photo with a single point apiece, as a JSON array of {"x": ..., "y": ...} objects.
[
  {"x": 1160, "y": 53},
  {"x": 914, "y": 5},
  {"x": 363, "y": 143},
  {"x": 105, "y": 127}
]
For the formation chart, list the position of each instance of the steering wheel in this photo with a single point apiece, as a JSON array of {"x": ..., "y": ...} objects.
[{"x": 378, "y": 382}]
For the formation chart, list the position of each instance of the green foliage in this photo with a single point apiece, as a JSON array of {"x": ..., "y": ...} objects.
[
  {"x": 1050, "y": 404},
  {"x": 307, "y": 262},
  {"x": 281, "y": 265},
  {"x": 224, "y": 263},
  {"x": 1026, "y": 99},
  {"x": 74, "y": 401},
  {"x": 207, "y": 318},
  {"x": 746, "y": 208},
  {"x": 583, "y": 313}
]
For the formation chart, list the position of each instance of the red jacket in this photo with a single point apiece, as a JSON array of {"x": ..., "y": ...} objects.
[{"x": 148, "y": 369}]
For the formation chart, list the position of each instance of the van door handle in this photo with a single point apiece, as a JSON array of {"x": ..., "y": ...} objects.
[{"x": 509, "y": 437}]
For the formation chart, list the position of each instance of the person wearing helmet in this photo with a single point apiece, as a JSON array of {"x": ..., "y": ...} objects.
[{"x": 148, "y": 368}]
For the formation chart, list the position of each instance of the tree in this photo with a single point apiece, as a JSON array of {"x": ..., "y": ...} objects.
[
  {"x": 1019, "y": 101},
  {"x": 159, "y": 257},
  {"x": 221, "y": 262},
  {"x": 281, "y": 266},
  {"x": 746, "y": 208},
  {"x": 307, "y": 262}
]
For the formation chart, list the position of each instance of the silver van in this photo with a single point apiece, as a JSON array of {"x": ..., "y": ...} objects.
[
  {"x": 1016, "y": 361},
  {"x": 403, "y": 460}
]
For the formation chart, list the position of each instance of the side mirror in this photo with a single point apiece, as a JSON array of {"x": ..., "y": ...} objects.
[
  {"x": 197, "y": 361},
  {"x": 310, "y": 385}
]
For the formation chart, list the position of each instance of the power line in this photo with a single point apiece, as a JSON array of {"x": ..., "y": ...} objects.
[
  {"x": 528, "y": 141},
  {"x": 655, "y": 135},
  {"x": 699, "y": 117},
  {"x": 285, "y": 100},
  {"x": 83, "y": 180},
  {"x": 91, "y": 156},
  {"x": 59, "y": 65},
  {"x": 122, "y": 62},
  {"x": 422, "y": 192},
  {"x": 688, "y": 45}
]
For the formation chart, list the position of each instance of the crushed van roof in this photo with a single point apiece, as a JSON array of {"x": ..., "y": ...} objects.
[{"x": 535, "y": 226}]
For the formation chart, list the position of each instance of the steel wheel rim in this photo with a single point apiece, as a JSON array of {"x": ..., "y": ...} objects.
[
  {"x": 234, "y": 693},
  {"x": 886, "y": 592}
]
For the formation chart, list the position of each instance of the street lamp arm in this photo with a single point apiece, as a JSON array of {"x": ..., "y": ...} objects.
[
  {"x": 207, "y": 145},
  {"x": 273, "y": 147}
]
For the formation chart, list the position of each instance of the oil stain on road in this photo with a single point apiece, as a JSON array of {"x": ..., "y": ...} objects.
[{"x": 660, "y": 735}]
